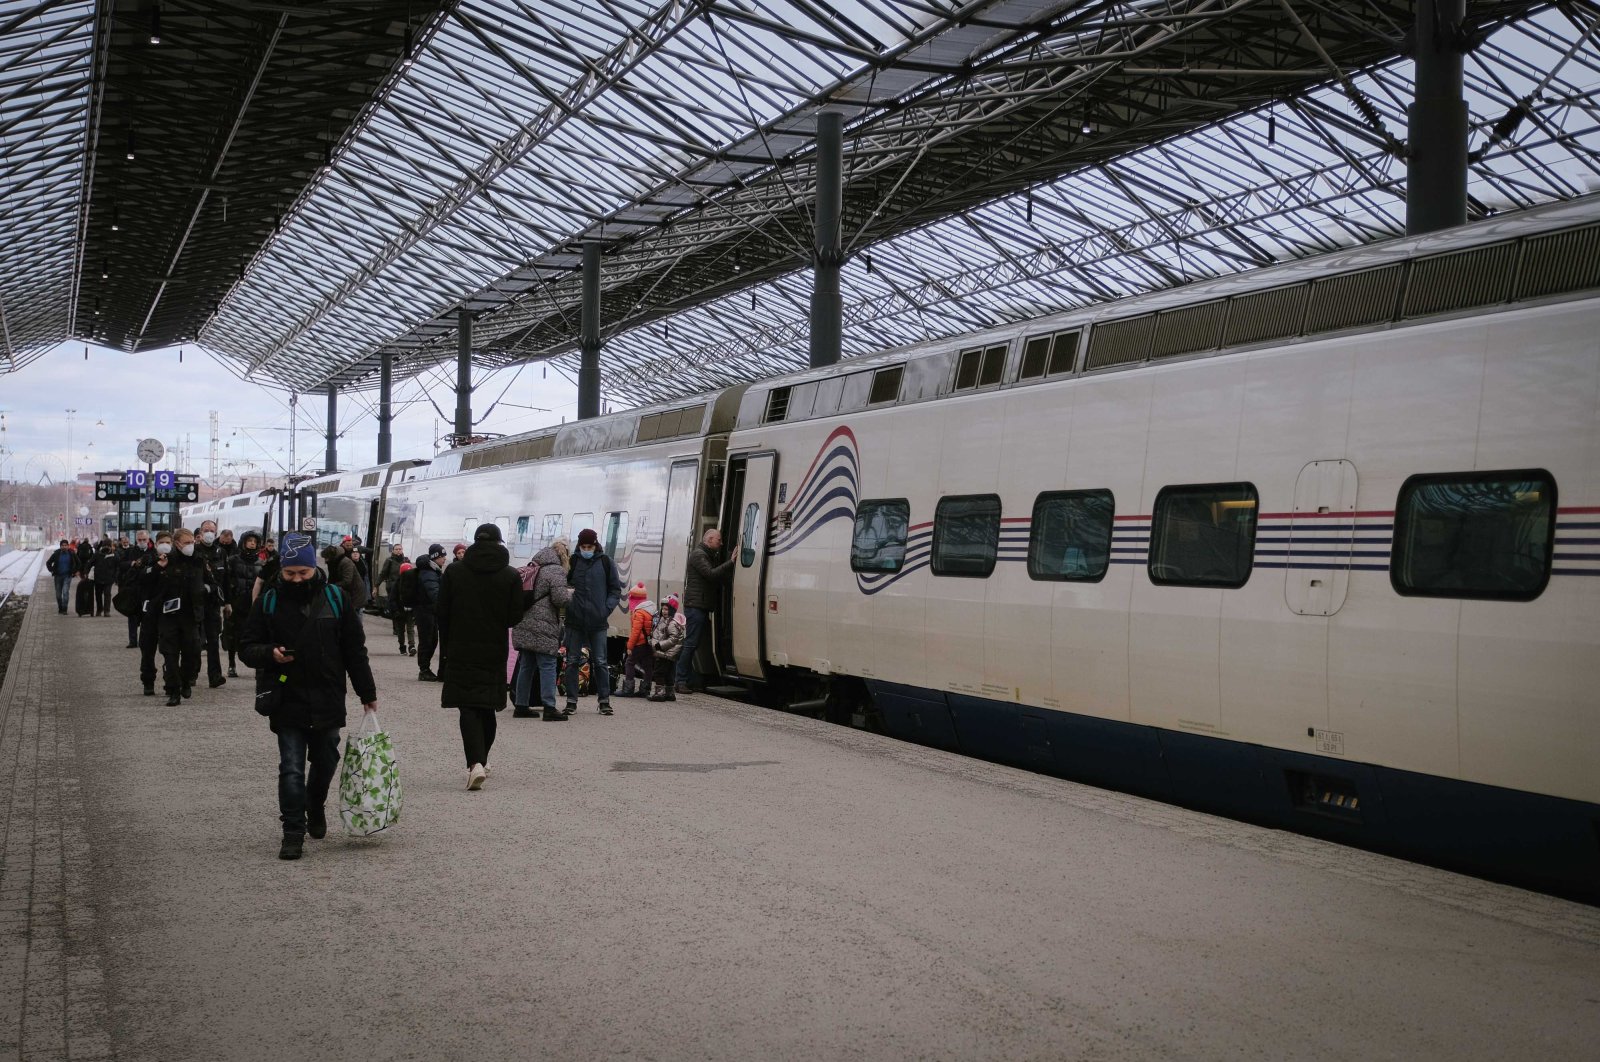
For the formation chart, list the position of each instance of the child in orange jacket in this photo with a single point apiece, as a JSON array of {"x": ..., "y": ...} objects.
[{"x": 638, "y": 660}]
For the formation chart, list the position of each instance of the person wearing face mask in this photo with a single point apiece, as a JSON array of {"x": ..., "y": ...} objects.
[
  {"x": 429, "y": 574},
  {"x": 214, "y": 561},
  {"x": 596, "y": 589},
  {"x": 145, "y": 584},
  {"x": 304, "y": 638},
  {"x": 129, "y": 567},
  {"x": 243, "y": 567},
  {"x": 180, "y": 605},
  {"x": 388, "y": 572}
]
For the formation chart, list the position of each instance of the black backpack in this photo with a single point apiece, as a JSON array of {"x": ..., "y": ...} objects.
[{"x": 406, "y": 589}]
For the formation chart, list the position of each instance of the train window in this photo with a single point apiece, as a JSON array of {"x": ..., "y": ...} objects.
[
  {"x": 1063, "y": 353},
  {"x": 966, "y": 535},
  {"x": 1474, "y": 534},
  {"x": 967, "y": 371},
  {"x": 879, "y": 542},
  {"x": 750, "y": 534},
  {"x": 1035, "y": 356},
  {"x": 579, "y": 522},
  {"x": 616, "y": 534},
  {"x": 1071, "y": 535},
  {"x": 981, "y": 367},
  {"x": 504, "y": 524},
  {"x": 886, "y": 385},
  {"x": 523, "y": 523},
  {"x": 994, "y": 365},
  {"x": 552, "y": 528},
  {"x": 1204, "y": 535}
]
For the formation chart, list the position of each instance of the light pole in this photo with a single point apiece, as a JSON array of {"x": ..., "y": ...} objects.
[{"x": 72, "y": 470}]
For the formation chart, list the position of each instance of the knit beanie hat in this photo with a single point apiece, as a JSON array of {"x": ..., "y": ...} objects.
[
  {"x": 487, "y": 533},
  {"x": 637, "y": 594},
  {"x": 298, "y": 551},
  {"x": 587, "y": 537}
]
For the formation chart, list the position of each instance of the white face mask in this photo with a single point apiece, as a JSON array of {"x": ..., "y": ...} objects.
[
  {"x": 208, "y": 537},
  {"x": 187, "y": 551},
  {"x": 163, "y": 548}
]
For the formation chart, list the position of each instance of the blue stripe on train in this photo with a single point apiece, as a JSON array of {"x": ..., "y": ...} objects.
[{"x": 1532, "y": 840}]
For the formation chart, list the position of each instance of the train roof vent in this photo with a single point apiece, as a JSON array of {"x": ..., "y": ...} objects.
[
  {"x": 1188, "y": 329},
  {"x": 1350, "y": 300},
  {"x": 1121, "y": 342},
  {"x": 246, "y": 500},
  {"x": 1561, "y": 261},
  {"x": 1276, "y": 313},
  {"x": 370, "y": 479},
  {"x": 777, "y": 405},
  {"x": 649, "y": 428},
  {"x": 1446, "y": 282}
]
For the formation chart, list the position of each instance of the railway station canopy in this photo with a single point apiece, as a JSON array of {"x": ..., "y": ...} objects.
[{"x": 303, "y": 187}]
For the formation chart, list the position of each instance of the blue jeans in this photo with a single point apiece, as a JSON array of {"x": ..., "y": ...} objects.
[
  {"x": 530, "y": 663},
  {"x": 695, "y": 625},
  {"x": 295, "y": 792},
  {"x": 599, "y": 664},
  {"x": 63, "y": 591}
]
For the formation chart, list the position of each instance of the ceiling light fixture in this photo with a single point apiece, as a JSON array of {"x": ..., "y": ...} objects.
[
  {"x": 115, "y": 226},
  {"x": 155, "y": 23},
  {"x": 132, "y": 145},
  {"x": 105, "y": 269}
]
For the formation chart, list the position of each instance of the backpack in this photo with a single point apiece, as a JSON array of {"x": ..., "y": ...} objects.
[
  {"x": 406, "y": 589},
  {"x": 334, "y": 596},
  {"x": 529, "y": 574}
]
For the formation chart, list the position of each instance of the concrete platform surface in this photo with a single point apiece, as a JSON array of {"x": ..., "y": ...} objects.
[{"x": 704, "y": 880}]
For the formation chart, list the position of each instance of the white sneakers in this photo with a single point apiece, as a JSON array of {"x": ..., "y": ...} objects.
[{"x": 476, "y": 777}]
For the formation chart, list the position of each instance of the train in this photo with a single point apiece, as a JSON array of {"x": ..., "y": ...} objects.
[{"x": 1314, "y": 547}]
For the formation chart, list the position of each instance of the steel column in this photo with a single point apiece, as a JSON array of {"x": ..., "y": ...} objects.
[
  {"x": 385, "y": 406},
  {"x": 589, "y": 335},
  {"x": 330, "y": 460},
  {"x": 1436, "y": 169},
  {"x": 463, "y": 375},
  {"x": 826, "y": 312}
]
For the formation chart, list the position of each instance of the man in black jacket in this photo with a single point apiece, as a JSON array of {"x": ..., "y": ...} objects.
[
  {"x": 60, "y": 565},
  {"x": 480, "y": 599},
  {"x": 303, "y": 638},
  {"x": 215, "y": 558},
  {"x": 182, "y": 588},
  {"x": 426, "y": 604},
  {"x": 702, "y": 591},
  {"x": 244, "y": 564},
  {"x": 596, "y": 589}
]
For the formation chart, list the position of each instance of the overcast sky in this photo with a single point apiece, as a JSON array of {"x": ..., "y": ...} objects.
[{"x": 122, "y": 397}]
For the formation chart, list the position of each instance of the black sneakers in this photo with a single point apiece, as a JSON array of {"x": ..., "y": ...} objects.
[
  {"x": 553, "y": 716},
  {"x": 522, "y": 713},
  {"x": 293, "y": 846},
  {"x": 605, "y": 707},
  {"x": 173, "y": 700},
  {"x": 427, "y": 676},
  {"x": 187, "y": 691},
  {"x": 218, "y": 680},
  {"x": 572, "y": 706},
  {"x": 317, "y": 822},
  {"x": 149, "y": 689},
  {"x": 233, "y": 672}
]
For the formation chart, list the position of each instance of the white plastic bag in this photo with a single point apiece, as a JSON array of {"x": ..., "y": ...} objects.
[{"x": 369, "y": 782}]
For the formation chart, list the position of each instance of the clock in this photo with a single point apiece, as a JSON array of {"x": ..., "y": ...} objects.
[{"x": 151, "y": 451}]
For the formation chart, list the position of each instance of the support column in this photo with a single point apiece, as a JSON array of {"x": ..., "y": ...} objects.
[
  {"x": 826, "y": 314},
  {"x": 589, "y": 335},
  {"x": 385, "y": 406},
  {"x": 1436, "y": 170},
  {"x": 463, "y": 374},
  {"x": 330, "y": 460}
]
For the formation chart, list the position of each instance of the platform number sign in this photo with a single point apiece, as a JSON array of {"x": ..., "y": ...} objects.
[
  {"x": 136, "y": 478},
  {"x": 165, "y": 480}
]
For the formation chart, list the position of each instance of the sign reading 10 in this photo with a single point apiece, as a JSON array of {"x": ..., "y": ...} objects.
[{"x": 137, "y": 478}]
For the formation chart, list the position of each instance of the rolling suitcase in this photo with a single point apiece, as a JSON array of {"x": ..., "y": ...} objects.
[{"x": 85, "y": 599}]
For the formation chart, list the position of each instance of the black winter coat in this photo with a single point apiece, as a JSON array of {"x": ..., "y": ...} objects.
[
  {"x": 595, "y": 592},
  {"x": 700, "y": 585},
  {"x": 327, "y": 647},
  {"x": 184, "y": 579},
  {"x": 429, "y": 581},
  {"x": 242, "y": 572},
  {"x": 480, "y": 599},
  {"x": 105, "y": 567}
]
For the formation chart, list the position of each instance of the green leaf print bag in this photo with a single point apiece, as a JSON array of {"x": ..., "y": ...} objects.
[{"x": 369, "y": 783}]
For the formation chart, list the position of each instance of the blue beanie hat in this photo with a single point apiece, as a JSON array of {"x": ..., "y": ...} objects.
[{"x": 297, "y": 551}]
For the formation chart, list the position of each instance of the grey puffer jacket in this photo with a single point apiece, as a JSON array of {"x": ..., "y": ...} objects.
[{"x": 540, "y": 629}]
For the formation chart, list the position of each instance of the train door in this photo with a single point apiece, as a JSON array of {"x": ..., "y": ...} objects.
[
  {"x": 370, "y": 540},
  {"x": 748, "y": 518},
  {"x": 1322, "y": 535},
  {"x": 678, "y": 526}
]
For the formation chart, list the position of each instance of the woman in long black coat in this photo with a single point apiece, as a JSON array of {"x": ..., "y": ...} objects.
[{"x": 480, "y": 599}]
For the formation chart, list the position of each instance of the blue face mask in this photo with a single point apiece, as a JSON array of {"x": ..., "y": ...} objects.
[{"x": 586, "y": 554}]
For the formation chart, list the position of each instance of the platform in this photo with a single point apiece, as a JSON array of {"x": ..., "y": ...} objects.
[{"x": 703, "y": 880}]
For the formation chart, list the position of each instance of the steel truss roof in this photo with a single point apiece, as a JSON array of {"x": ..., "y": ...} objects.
[
  {"x": 140, "y": 175},
  {"x": 680, "y": 135}
]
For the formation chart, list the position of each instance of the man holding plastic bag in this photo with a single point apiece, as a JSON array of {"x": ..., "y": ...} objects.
[{"x": 304, "y": 638}]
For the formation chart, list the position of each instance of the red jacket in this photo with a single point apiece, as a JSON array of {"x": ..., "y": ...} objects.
[{"x": 639, "y": 628}]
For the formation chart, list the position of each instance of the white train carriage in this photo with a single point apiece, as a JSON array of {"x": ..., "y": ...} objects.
[
  {"x": 1316, "y": 546},
  {"x": 251, "y": 511},
  {"x": 641, "y": 479},
  {"x": 340, "y": 504}
]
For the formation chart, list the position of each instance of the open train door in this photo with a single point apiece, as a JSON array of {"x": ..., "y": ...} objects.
[{"x": 750, "y": 482}]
